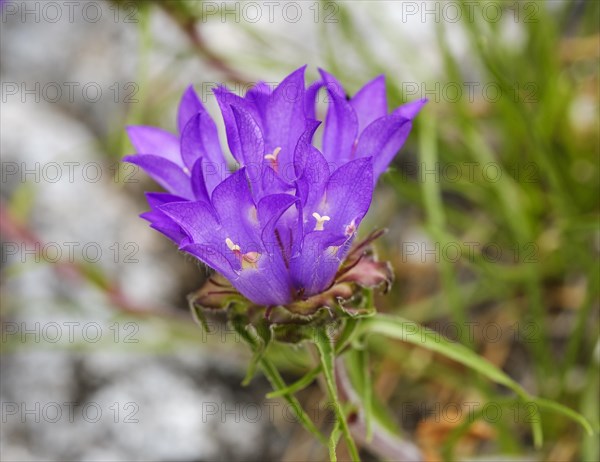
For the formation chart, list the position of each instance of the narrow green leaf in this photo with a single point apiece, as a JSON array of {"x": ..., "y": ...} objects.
[
  {"x": 346, "y": 335},
  {"x": 251, "y": 371},
  {"x": 536, "y": 427},
  {"x": 367, "y": 391},
  {"x": 408, "y": 331},
  {"x": 303, "y": 382},
  {"x": 564, "y": 410},
  {"x": 334, "y": 438},
  {"x": 298, "y": 385},
  {"x": 411, "y": 332},
  {"x": 198, "y": 314},
  {"x": 326, "y": 354},
  {"x": 277, "y": 383},
  {"x": 264, "y": 333}
]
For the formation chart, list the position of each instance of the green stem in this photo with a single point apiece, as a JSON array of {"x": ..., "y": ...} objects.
[
  {"x": 278, "y": 383},
  {"x": 333, "y": 442},
  {"x": 327, "y": 362},
  {"x": 342, "y": 341}
]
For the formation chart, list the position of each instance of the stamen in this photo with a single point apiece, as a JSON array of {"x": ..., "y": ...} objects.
[
  {"x": 273, "y": 158},
  {"x": 233, "y": 247},
  {"x": 351, "y": 228},
  {"x": 248, "y": 259},
  {"x": 320, "y": 221},
  {"x": 332, "y": 251}
]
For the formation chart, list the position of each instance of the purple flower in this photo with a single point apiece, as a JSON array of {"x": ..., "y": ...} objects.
[{"x": 278, "y": 228}]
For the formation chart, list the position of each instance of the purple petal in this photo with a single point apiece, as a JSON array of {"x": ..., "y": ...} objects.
[
  {"x": 345, "y": 202},
  {"x": 280, "y": 224},
  {"x": 270, "y": 209},
  {"x": 314, "y": 176},
  {"x": 273, "y": 182},
  {"x": 189, "y": 106},
  {"x": 251, "y": 149},
  {"x": 226, "y": 100},
  {"x": 347, "y": 196},
  {"x": 265, "y": 285},
  {"x": 195, "y": 218},
  {"x": 237, "y": 212},
  {"x": 156, "y": 199},
  {"x": 370, "y": 103},
  {"x": 333, "y": 85},
  {"x": 169, "y": 175},
  {"x": 200, "y": 138},
  {"x": 213, "y": 256},
  {"x": 206, "y": 236},
  {"x": 163, "y": 224},
  {"x": 199, "y": 183},
  {"x": 341, "y": 126},
  {"x": 305, "y": 139},
  {"x": 310, "y": 100},
  {"x": 410, "y": 110},
  {"x": 259, "y": 96},
  {"x": 159, "y": 220},
  {"x": 314, "y": 268},
  {"x": 285, "y": 121},
  {"x": 214, "y": 173},
  {"x": 155, "y": 141},
  {"x": 382, "y": 140}
]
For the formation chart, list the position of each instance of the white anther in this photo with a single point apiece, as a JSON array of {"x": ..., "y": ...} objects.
[
  {"x": 320, "y": 221},
  {"x": 273, "y": 157},
  {"x": 233, "y": 247},
  {"x": 248, "y": 260},
  {"x": 351, "y": 228}
]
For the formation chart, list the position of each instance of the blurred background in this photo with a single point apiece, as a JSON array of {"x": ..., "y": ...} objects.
[{"x": 492, "y": 207}]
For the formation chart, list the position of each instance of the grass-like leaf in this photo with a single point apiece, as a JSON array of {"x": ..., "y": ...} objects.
[
  {"x": 408, "y": 331},
  {"x": 277, "y": 383},
  {"x": 326, "y": 354}
]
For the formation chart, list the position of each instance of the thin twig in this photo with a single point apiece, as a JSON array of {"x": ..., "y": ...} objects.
[
  {"x": 188, "y": 26},
  {"x": 11, "y": 228}
]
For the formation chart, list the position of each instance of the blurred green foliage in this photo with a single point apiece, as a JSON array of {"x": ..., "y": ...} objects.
[
  {"x": 528, "y": 183},
  {"x": 516, "y": 173}
]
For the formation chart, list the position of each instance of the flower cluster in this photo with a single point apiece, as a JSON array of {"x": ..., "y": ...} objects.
[{"x": 279, "y": 227}]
